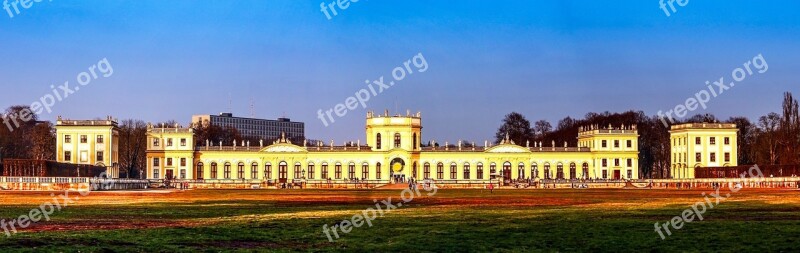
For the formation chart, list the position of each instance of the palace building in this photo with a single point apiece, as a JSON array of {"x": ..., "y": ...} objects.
[
  {"x": 393, "y": 151},
  {"x": 696, "y": 145},
  {"x": 92, "y": 142}
]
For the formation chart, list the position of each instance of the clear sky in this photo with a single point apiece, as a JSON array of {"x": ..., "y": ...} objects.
[{"x": 544, "y": 59}]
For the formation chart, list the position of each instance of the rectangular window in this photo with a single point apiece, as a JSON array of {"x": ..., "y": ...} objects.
[
  {"x": 605, "y": 174},
  {"x": 698, "y": 157},
  {"x": 727, "y": 157},
  {"x": 254, "y": 171},
  {"x": 630, "y": 143},
  {"x": 605, "y": 162},
  {"x": 727, "y": 140},
  {"x": 616, "y": 162},
  {"x": 67, "y": 156},
  {"x": 99, "y": 156},
  {"x": 630, "y": 162},
  {"x": 169, "y": 161},
  {"x": 453, "y": 171},
  {"x": 99, "y": 139},
  {"x": 713, "y": 157},
  {"x": 183, "y": 174},
  {"x": 183, "y": 162},
  {"x": 378, "y": 171},
  {"x": 155, "y": 142},
  {"x": 324, "y": 171},
  {"x": 156, "y": 162},
  {"x": 364, "y": 171},
  {"x": 169, "y": 142},
  {"x": 84, "y": 139},
  {"x": 630, "y": 174},
  {"x": 713, "y": 140},
  {"x": 697, "y": 140},
  {"x": 604, "y": 144},
  {"x": 310, "y": 171},
  {"x": 156, "y": 174},
  {"x": 480, "y": 171},
  {"x": 338, "y": 172},
  {"x": 183, "y": 142},
  {"x": 67, "y": 138},
  {"x": 616, "y": 143}
]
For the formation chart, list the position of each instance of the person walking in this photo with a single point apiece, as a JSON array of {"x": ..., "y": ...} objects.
[{"x": 491, "y": 188}]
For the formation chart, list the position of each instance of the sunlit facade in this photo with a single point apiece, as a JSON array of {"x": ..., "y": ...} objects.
[
  {"x": 702, "y": 145},
  {"x": 93, "y": 142},
  {"x": 394, "y": 151}
]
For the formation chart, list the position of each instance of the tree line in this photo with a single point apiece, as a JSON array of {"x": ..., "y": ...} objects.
[{"x": 772, "y": 139}]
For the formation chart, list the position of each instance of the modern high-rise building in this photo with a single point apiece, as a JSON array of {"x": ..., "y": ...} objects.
[{"x": 252, "y": 128}]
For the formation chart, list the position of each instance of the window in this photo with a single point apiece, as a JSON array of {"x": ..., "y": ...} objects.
[
  {"x": 426, "y": 171},
  {"x": 169, "y": 161},
  {"x": 604, "y": 144},
  {"x": 324, "y": 171},
  {"x": 283, "y": 172},
  {"x": 199, "y": 170},
  {"x": 378, "y": 170},
  {"x": 616, "y": 162},
  {"x": 169, "y": 142},
  {"x": 713, "y": 140},
  {"x": 573, "y": 171},
  {"x": 68, "y": 157},
  {"x": 254, "y": 171},
  {"x": 99, "y": 156},
  {"x": 453, "y": 171},
  {"x": 99, "y": 139},
  {"x": 378, "y": 141},
  {"x": 616, "y": 143},
  {"x": 466, "y": 171},
  {"x": 630, "y": 174},
  {"x": 156, "y": 161},
  {"x": 727, "y": 140},
  {"x": 298, "y": 171},
  {"x": 698, "y": 157},
  {"x": 351, "y": 171},
  {"x": 414, "y": 169},
  {"x": 213, "y": 170},
  {"x": 240, "y": 170},
  {"x": 534, "y": 170},
  {"x": 585, "y": 170},
  {"x": 396, "y": 140},
  {"x": 605, "y": 162},
  {"x": 268, "y": 171},
  {"x": 156, "y": 174},
  {"x": 414, "y": 141},
  {"x": 630, "y": 162},
  {"x": 183, "y": 142},
  {"x": 605, "y": 174},
  {"x": 227, "y": 171},
  {"x": 629, "y": 143},
  {"x": 439, "y": 171},
  {"x": 183, "y": 162},
  {"x": 559, "y": 171},
  {"x": 67, "y": 138},
  {"x": 697, "y": 140},
  {"x": 479, "y": 171},
  {"x": 547, "y": 170},
  {"x": 727, "y": 157},
  {"x": 311, "y": 171},
  {"x": 155, "y": 142},
  {"x": 713, "y": 157},
  {"x": 365, "y": 171},
  {"x": 84, "y": 139},
  {"x": 338, "y": 170},
  {"x": 492, "y": 169},
  {"x": 521, "y": 170}
]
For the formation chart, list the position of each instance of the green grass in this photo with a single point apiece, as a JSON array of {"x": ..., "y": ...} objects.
[{"x": 435, "y": 224}]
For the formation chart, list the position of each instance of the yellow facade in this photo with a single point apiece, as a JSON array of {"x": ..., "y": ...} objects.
[
  {"x": 94, "y": 142},
  {"x": 702, "y": 145},
  {"x": 393, "y": 150}
]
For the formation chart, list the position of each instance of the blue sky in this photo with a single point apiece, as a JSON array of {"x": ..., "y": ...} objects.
[{"x": 545, "y": 59}]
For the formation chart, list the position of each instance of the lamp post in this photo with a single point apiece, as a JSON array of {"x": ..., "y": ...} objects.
[{"x": 303, "y": 179}]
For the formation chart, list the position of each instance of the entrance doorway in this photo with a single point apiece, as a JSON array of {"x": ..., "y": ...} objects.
[
  {"x": 507, "y": 174},
  {"x": 616, "y": 174},
  {"x": 170, "y": 175},
  {"x": 283, "y": 174},
  {"x": 396, "y": 166}
]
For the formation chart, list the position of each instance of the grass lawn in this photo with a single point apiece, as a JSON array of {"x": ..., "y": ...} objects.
[{"x": 751, "y": 220}]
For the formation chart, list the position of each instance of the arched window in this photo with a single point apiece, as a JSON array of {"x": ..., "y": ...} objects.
[
  {"x": 414, "y": 170},
  {"x": 426, "y": 171},
  {"x": 283, "y": 171},
  {"x": 378, "y": 141},
  {"x": 479, "y": 170},
  {"x": 240, "y": 170},
  {"x": 378, "y": 171},
  {"x": 492, "y": 170},
  {"x": 585, "y": 170},
  {"x": 268, "y": 171},
  {"x": 453, "y": 171},
  {"x": 351, "y": 171},
  {"x": 439, "y": 171},
  {"x": 227, "y": 171},
  {"x": 396, "y": 140},
  {"x": 466, "y": 171},
  {"x": 365, "y": 171},
  {"x": 337, "y": 170},
  {"x": 199, "y": 172},
  {"x": 324, "y": 171},
  {"x": 298, "y": 171},
  {"x": 310, "y": 170},
  {"x": 572, "y": 171},
  {"x": 414, "y": 141},
  {"x": 521, "y": 171},
  {"x": 214, "y": 170},
  {"x": 534, "y": 170},
  {"x": 547, "y": 171},
  {"x": 254, "y": 170},
  {"x": 559, "y": 171}
]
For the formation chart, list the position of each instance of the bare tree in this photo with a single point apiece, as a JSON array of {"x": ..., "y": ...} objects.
[{"x": 132, "y": 146}]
